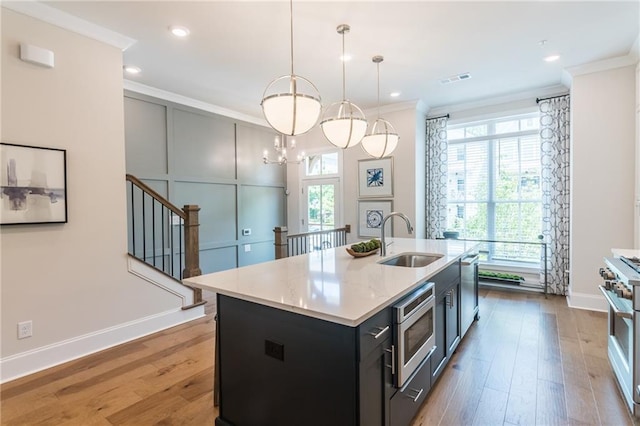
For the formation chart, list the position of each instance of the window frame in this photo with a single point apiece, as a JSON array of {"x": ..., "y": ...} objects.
[{"x": 492, "y": 139}]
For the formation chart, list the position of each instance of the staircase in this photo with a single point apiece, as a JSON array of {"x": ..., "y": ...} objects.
[{"x": 163, "y": 236}]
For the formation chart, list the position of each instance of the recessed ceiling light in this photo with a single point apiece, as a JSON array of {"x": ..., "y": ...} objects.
[
  {"x": 346, "y": 57},
  {"x": 394, "y": 94},
  {"x": 552, "y": 58},
  {"x": 131, "y": 69},
  {"x": 179, "y": 31}
]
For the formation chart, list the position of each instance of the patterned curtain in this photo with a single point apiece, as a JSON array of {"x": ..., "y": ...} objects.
[
  {"x": 554, "y": 137},
  {"x": 436, "y": 177}
]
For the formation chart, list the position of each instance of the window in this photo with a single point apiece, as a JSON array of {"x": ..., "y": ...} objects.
[
  {"x": 321, "y": 192},
  {"x": 494, "y": 190}
]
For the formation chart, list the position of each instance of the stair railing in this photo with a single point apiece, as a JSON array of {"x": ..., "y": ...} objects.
[
  {"x": 163, "y": 235},
  {"x": 292, "y": 245}
]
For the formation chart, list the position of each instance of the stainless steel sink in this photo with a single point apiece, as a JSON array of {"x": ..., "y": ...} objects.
[{"x": 411, "y": 260}]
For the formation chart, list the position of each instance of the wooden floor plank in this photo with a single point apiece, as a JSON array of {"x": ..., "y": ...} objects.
[
  {"x": 551, "y": 407},
  {"x": 527, "y": 361},
  {"x": 491, "y": 408}
]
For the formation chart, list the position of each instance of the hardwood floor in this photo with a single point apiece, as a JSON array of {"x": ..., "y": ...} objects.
[{"x": 528, "y": 361}]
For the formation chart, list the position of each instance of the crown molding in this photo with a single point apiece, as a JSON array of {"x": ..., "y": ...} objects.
[
  {"x": 69, "y": 22},
  {"x": 527, "y": 95},
  {"x": 184, "y": 100},
  {"x": 604, "y": 65}
]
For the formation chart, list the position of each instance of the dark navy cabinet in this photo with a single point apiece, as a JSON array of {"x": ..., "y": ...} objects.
[
  {"x": 447, "y": 318},
  {"x": 281, "y": 368}
]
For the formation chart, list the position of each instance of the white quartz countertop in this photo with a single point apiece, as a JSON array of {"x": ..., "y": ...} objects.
[{"x": 330, "y": 284}]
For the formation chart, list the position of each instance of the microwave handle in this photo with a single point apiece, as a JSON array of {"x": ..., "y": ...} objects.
[{"x": 615, "y": 309}]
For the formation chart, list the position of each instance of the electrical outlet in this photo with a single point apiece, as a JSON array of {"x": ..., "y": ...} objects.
[
  {"x": 25, "y": 329},
  {"x": 247, "y": 248}
]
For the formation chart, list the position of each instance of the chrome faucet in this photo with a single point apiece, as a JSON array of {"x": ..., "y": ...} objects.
[{"x": 383, "y": 244}]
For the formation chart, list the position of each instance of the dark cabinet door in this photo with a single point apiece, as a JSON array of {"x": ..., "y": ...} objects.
[
  {"x": 439, "y": 355},
  {"x": 453, "y": 319},
  {"x": 376, "y": 386}
]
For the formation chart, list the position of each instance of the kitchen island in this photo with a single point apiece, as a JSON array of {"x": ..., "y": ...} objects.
[{"x": 312, "y": 334}]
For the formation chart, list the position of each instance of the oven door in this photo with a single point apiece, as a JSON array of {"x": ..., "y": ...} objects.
[
  {"x": 415, "y": 339},
  {"x": 621, "y": 343}
]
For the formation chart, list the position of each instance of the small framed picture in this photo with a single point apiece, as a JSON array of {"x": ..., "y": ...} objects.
[
  {"x": 33, "y": 185},
  {"x": 375, "y": 178},
  {"x": 370, "y": 215}
]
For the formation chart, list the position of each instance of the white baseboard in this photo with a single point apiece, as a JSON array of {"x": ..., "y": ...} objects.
[
  {"x": 29, "y": 362},
  {"x": 586, "y": 301}
]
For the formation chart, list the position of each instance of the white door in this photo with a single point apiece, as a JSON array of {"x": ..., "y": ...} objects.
[{"x": 320, "y": 199}]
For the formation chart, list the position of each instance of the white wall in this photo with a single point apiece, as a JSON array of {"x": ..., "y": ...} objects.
[
  {"x": 71, "y": 279},
  {"x": 602, "y": 176},
  {"x": 405, "y": 119}
]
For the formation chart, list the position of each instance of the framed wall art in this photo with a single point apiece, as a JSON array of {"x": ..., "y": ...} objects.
[
  {"x": 375, "y": 178},
  {"x": 33, "y": 185},
  {"x": 370, "y": 215}
]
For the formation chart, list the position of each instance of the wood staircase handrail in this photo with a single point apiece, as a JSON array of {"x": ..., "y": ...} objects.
[
  {"x": 190, "y": 233},
  {"x": 157, "y": 196}
]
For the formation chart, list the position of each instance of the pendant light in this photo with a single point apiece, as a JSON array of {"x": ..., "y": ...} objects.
[
  {"x": 382, "y": 139},
  {"x": 291, "y": 104},
  {"x": 343, "y": 123}
]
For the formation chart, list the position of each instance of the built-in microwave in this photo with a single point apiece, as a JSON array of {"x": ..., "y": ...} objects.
[{"x": 414, "y": 326}]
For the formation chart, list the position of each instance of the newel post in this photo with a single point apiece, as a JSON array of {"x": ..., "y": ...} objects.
[
  {"x": 192, "y": 246},
  {"x": 281, "y": 241}
]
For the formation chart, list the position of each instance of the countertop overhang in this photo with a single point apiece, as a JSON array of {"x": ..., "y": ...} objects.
[{"x": 330, "y": 284}]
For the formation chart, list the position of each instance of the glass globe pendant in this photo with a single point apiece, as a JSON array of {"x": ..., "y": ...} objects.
[
  {"x": 343, "y": 123},
  {"x": 382, "y": 139},
  {"x": 291, "y": 104}
]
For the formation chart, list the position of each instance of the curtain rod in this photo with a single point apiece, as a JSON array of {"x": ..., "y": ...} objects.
[
  {"x": 538, "y": 100},
  {"x": 435, "y": 118}
]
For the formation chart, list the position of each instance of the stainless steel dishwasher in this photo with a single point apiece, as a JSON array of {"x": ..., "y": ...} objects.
[{"x": 468, "y": 291}]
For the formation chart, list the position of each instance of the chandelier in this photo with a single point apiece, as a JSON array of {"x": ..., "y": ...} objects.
[
  {"x": 291, "y": 104},
  {"x": 382, "y": 139},
  {"x": 343, "y": 123},
  {"x": 280, "y": 146}
]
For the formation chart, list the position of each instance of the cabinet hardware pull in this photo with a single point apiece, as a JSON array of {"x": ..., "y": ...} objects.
[
  {"x": 380, "y": 332},
  {"x": 393, "y": 359},
  {"x": 415, "y": 399}
]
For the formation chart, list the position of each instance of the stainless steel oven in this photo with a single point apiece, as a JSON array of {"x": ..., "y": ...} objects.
[
  {"x": 414, "y": 328},
  {"x": 620, "y": 280}
]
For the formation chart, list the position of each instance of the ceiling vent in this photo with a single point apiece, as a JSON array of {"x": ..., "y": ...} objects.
[{"x": 455, "y": 78}]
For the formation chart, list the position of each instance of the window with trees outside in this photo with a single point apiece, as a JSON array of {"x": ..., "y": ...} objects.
[
  {"x": 494, "y": 186},
  {"x": 321, "y": 192}
]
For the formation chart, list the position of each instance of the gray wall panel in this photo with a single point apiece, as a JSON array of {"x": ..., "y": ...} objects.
[
  {"x": 260, "y": 252},
  {"x": 145, "y": 129},
  {"x": 204, "y": 145},
  {"x": 200, "y": 154},
  {"x": 252, "y": 142},
  {"x": 217, "y": 209},
  {"x": 261, "y": 209},
  {"x": 220, "y": 259}
]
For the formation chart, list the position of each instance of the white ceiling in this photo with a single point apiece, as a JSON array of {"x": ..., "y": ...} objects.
[{"x": 237, "y": 47}]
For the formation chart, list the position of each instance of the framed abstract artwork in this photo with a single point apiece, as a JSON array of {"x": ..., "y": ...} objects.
[
  {"x": 375, "y": 178},
  {"x": 370, "y": 215},
  {"x": 33, "y": 185}
]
